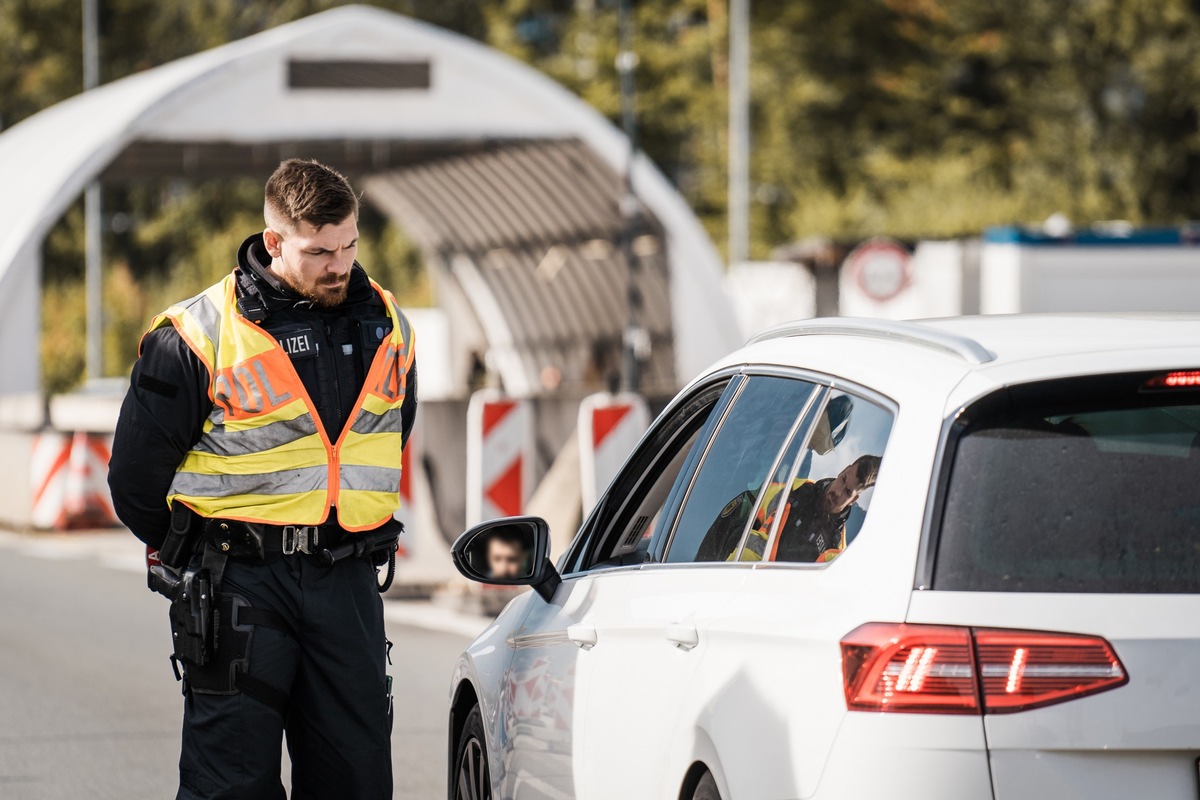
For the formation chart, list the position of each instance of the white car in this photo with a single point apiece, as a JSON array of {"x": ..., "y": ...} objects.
[{"x": 858, "y": 559}]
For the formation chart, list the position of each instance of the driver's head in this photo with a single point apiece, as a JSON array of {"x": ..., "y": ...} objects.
[
  {"x": 851, "y": 482},
  {"x": 505, "y": 557}
]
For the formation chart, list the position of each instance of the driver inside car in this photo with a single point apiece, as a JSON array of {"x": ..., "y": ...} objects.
[
  {"x": 507, "y": 556},
  {"x": 813, "y": 528}
]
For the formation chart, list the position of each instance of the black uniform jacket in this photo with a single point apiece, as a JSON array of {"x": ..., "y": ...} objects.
[
  {"x": 810, "y": 530},
  {"x": 163, "y": 414}
]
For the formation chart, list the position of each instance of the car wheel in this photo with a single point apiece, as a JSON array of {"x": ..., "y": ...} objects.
[
  {"x": 472, "y": 779},
  {"x": 706, "y": 789}
]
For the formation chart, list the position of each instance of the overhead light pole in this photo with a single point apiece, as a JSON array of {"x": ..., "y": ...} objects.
[
  {"x": 739, "y": 131},
  {"x": 635, "y": 341},
  {"x": 93, "y": 253}
]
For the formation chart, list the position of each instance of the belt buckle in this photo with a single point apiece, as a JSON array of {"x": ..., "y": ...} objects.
[{"x": 300, "y": 537}]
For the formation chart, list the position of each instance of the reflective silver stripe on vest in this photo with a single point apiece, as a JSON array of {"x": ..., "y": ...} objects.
[
  {"x": 369, "y": 422},
  {"x": 405, "y": 327},
  {"x": 201, "y": 309},
  {"x": 356, "y": 477},
  {"x": 261, "y": 438},
  {"x": 208, "y": 315},
  {"x": 285, "y": 481}
]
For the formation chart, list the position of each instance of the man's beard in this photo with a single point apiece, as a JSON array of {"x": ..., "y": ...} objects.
[{"x": 324, "y": 294}]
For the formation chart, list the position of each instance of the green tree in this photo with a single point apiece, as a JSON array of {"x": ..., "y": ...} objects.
[{"x": 912, "y": 118}]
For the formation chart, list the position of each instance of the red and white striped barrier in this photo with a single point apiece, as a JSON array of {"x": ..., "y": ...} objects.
[
  {"x": 609, "y": 428},
  {"x": 69, "y": 473},
  {"x": 48, "y": 476},
  {"x": 404, "y": 548},
  {"x": 500, "y": 455}
]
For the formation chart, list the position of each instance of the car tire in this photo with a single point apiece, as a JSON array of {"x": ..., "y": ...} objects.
[
  {"x": 706, "y": 789},
  {"x": 471, "y": 776}
]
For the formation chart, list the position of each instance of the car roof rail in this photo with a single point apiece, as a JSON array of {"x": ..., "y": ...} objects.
[{"x": 962, "y": 347}]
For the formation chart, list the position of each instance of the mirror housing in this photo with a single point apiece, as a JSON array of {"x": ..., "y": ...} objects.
[{"x": 472, "y": 554}]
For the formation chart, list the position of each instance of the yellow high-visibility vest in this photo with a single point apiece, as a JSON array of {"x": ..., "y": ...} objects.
[
  {"x": 760, "y": 529},
  {"x": 264, "y": 455}
]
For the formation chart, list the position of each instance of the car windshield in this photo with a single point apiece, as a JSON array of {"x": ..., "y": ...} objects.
[{"x": 1081, "y": 485}]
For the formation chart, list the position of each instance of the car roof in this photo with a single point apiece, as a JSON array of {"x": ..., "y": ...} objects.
[
  {"x": 1021, "y": 337},
  {"x": 994, "y": 340},
  {"x": 965, "y": 357}
]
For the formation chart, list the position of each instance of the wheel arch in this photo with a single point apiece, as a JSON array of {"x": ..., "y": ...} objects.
[
  {"x": 465, "y": 698},
  {"x": 704, "y": 759},
  {"x": 695, "y": 772}
]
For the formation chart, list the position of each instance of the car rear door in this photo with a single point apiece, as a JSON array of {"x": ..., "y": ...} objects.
[
  {"x": 771, "y": 679},
  {"x": 1073, "y": 507}
]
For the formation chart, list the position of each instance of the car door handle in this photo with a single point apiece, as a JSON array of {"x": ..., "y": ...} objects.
[
  {"x": 683, "y": 635},
  {"x": 583, "y": 635}
]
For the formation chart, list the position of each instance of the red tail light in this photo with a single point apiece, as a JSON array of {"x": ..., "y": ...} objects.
[
  {"x": 1183, "y": 379},
  {"x": 926, "y": 668},
  {"x": 936, "y": 669},
  {"x": 1021, "y": 670}
]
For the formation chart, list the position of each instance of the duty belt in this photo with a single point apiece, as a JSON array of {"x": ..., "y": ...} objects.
[
  {"x": 254, "y": 540},
  {"x": 303, "y": 538},
  {"x": 219, "y": 540}
]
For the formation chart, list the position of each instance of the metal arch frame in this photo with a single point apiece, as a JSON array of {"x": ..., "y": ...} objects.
[
  {"x": 961, "y": 347},
  {"x": 172, "y": 105}
]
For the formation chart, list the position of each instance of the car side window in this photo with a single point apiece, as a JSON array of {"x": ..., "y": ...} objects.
[
  {"x": 829, "y": 495},
  {"x": 736, "y": 467},
  {"x": 633, "y": 510},
  {"x": 761, "y": 521}
]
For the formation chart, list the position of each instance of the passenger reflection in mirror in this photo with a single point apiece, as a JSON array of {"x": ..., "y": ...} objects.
[
  {"x": 813, "y": 528},
  {"x": 507, "y": 556}
]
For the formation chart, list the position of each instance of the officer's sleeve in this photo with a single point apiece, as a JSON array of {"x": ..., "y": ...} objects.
[
  {"x": 162, "y": 417},
  {"x": 408, "y": 409}
]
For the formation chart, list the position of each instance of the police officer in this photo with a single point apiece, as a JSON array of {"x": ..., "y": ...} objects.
[
  {"x": 260, "y": 442},
  {"x": 815, "y": 528}
]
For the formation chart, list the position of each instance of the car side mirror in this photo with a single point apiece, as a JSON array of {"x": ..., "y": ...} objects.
[{"x": 511, "y": 551}]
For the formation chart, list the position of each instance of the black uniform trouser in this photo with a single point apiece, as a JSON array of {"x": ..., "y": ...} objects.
[{"x": 331, "y": 668}]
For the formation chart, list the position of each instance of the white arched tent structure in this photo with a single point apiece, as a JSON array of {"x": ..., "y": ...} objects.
[{"x": 488, "y": 163}]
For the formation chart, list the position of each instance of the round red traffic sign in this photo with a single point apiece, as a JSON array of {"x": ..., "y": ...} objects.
[{"x": 880, "y": 268}]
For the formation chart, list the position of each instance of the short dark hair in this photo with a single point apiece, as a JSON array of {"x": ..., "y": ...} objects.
[
  {"x": 866, "y": 469},
  {"x": 507, "y": 536},
  {"x": 308, "y": 191}
]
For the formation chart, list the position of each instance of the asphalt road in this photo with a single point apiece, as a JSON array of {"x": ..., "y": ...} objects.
[{"x": 89, "y": 707}]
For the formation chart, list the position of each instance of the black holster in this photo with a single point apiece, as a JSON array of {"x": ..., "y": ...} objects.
[
  {"x": 190, "y": 589},
  {"x": 192, "y": 631},
  {"x": 181, "y": 541}
]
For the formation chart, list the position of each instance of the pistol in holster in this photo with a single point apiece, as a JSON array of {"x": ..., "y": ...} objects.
[
  {"x": 192, "y": 611},
  {"x": 189, "y": 589}
]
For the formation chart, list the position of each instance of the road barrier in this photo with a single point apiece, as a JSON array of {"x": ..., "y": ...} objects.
[
  {"x": 69, "y": 478},
  {"x": 406, "y": 514},
  {"x": 609, "y": 428},
  {"x": 500, "y": 454}
]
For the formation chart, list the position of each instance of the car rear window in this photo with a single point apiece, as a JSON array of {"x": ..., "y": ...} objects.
[{"x": 1079, "y": 485}]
